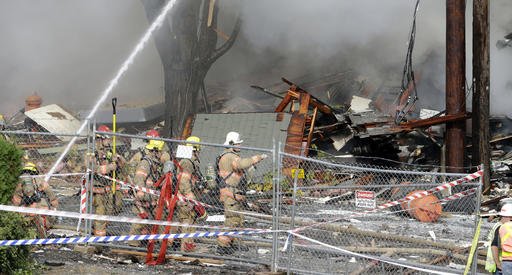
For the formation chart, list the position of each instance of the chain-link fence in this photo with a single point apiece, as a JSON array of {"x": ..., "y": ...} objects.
[
  {"x": 359, "y": 219},
  {"x": 309, "y": 215},
  {"x": 138, "y": 196},
  {"x": 41, "y": 149}
]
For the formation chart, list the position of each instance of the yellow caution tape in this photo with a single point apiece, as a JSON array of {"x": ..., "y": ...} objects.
[{"x": 473, "y": 247}]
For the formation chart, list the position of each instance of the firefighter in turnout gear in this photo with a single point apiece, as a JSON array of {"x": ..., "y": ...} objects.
[
  {"x": 231, "y": 169},
  {"x": 104, "y": 201},
  {"x": 36, "y": 193},
  {"x": 143, "y": 151},
  {"x": 190, "y": 177},
  {"x": 147, "y": 173}
]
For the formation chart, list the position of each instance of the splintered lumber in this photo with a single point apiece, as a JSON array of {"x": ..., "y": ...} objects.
[
  {"x": 354, "y": 231},
  {"x": 370, "y": 265},
  {"x": 435, "y": 261},
  {"x": 409, "y": 250},
  {"x": 493, "y": 200},
  {"x": 173, "y": 257},
  {"x": 433, "y": 121}
]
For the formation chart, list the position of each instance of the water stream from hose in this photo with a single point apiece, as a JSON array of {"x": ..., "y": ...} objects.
[{"x": 113, "y": 83}]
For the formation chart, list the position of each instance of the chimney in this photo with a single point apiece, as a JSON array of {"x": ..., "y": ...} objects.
[{"x": 33, "y": 102}]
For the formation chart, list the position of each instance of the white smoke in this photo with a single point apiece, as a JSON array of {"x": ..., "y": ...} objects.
[
  {"x": 294, "y": 37},
  {"x": 67, "y": 51}
]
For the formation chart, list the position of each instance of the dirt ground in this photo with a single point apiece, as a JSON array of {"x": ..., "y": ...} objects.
[{"x": 64, "y": 260}]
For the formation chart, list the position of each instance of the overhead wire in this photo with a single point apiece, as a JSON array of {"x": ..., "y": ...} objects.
[{"x": 408, "y": 75}]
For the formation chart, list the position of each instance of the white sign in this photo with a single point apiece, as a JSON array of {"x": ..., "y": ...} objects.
[
  {"x": 184, "y": 152},
  {"x": 365, "y": 199},
  {"x": 427, "y": 113}
]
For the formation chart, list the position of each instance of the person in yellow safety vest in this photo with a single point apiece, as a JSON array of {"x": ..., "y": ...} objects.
[
  {"x": 501, "y": 245},
  {"x": 490, "y": 264},
  {"x": 104, "y": 201},
  {"x": 231, "y": 169},
  {"x": 36, "y": 193},
  {"x": 147, "y": 173},
  {"x": 189, "y": 176}
]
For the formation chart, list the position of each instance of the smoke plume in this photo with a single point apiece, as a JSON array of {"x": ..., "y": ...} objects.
[{"x": 66, "y": 51}]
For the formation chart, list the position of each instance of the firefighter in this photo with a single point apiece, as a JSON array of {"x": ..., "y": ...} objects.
[
  {"x": 147, "y": 173},
  {"x": 139, "y": 155},
  {"x": 36, "y": 193},
  {"x": 190, "y": 178},
  {"x": 105, "y": 202},
  {"x": 231, "y": 169}
]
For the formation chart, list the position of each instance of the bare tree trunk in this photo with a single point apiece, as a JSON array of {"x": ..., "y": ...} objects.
[{"x": 187, "y": 48}]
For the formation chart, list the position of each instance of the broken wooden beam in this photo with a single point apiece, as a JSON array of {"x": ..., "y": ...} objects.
[
  {"x": 173, "y": 257},
  {"x": 370, "y": 265},
  {"x": 296, "y": 90},
  {"x": 355, "y": 231},
  {"x": 422, "y": 123}
]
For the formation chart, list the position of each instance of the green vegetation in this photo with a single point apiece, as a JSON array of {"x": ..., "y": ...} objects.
[{"x": 14, "y": 259}]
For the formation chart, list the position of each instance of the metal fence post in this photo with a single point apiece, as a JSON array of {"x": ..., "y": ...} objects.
[
  {"x": 278, "y": 197},
  {"x": 292, "y": 225},
  {"x": 474, "y": 266},
  {"x": 275, "y": 202},
  {"x": 90, "y": 182},
  {"x": 87, "y": 176}
]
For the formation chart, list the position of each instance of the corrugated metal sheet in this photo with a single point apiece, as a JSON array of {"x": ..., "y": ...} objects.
[
  {"x": 129, "y": 115},
  {"x": 256, "y": 129},
  {"x": 55, "y": 120}
]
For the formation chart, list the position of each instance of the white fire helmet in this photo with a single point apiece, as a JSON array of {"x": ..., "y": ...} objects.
[
  {"x": 233, "y": 138},
  {"x": 506, "y": 210}
]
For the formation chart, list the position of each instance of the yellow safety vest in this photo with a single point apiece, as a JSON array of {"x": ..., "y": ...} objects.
[
  {"x": 506, "y": 241},
  {"x": 490, "y": 265}
]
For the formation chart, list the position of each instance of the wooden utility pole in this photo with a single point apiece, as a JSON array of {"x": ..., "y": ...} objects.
[
  {"x": 481, "y": 85},
  {"x": 455, "y": 82}
]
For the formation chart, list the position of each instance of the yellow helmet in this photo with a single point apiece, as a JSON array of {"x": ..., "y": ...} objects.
[
  {"x": 30, "y": 167},
  {"x": 155, "y": 144},
  {"x": 196, "y": 146}
]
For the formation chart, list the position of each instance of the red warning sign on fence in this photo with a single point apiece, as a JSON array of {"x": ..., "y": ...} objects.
[{"x": 365, "y": 199}]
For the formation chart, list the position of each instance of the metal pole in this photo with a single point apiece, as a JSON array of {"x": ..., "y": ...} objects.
[
  {"x": 87, "y": 176},
  {"x": 455, "y": 82},
  {"x": 292, "y": 225},
  {"x": 278, "y": 193},
  {"x": 481, "y": 86},
  {"x": 275, "y": 179},
  {"x": 90, "y": 183},
  {"x": 474, "y": 266},
  {"x": 88, "y": 179}
]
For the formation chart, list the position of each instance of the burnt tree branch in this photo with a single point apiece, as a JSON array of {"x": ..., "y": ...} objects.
[{"x": 228, "y": 44}]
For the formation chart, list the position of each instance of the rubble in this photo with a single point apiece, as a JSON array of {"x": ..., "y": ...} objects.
[
  {"x": 53, "y": 119},
  {"x": 303, "y": 122}
]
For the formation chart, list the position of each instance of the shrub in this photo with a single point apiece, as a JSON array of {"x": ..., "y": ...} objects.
[
  {"x": 10, "y": 158},
  {"x": 14, "y": 259},
  {"x": 13, "y": 226}
]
